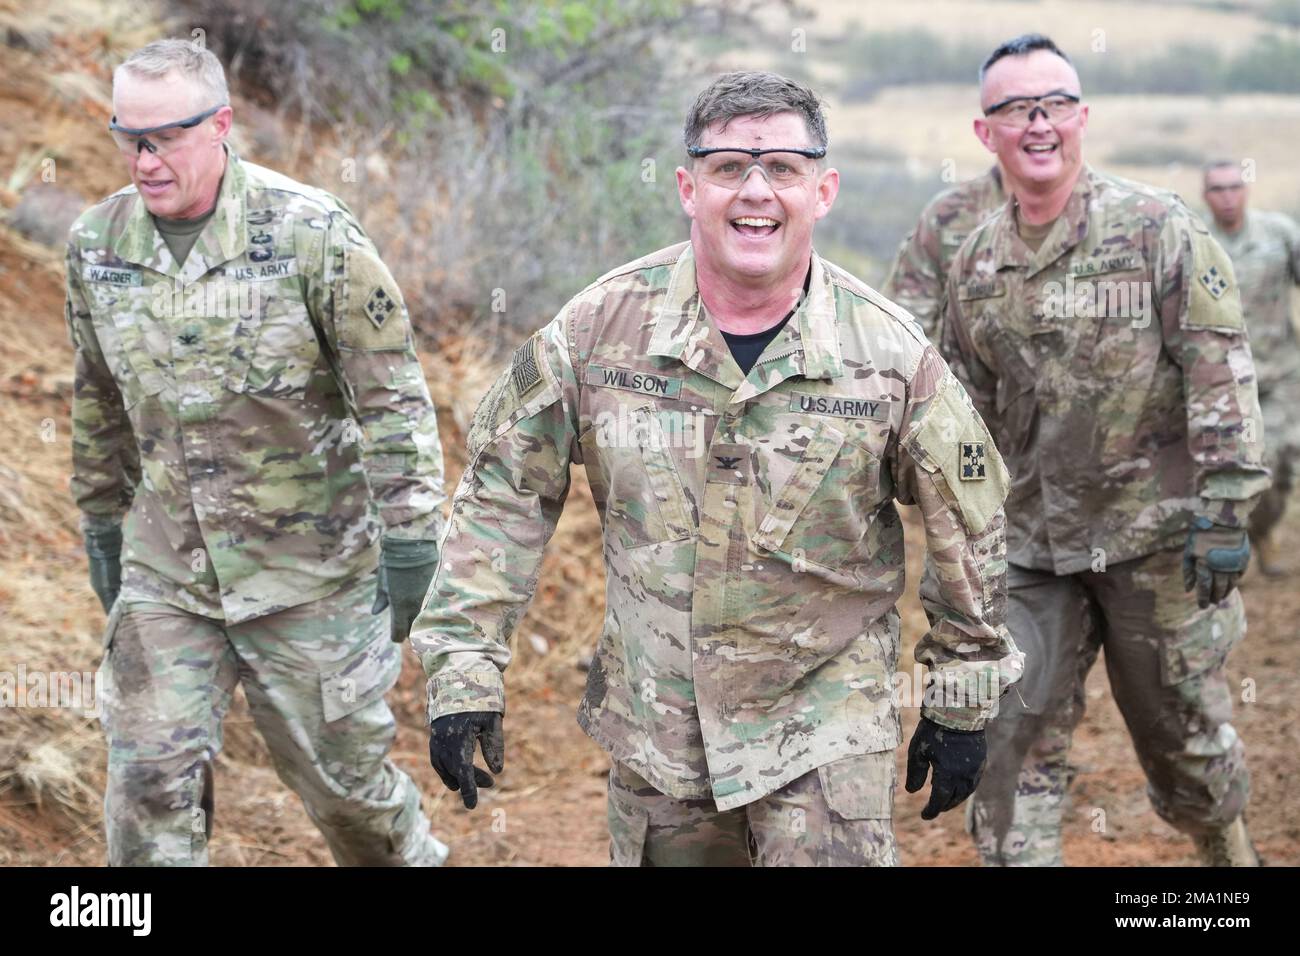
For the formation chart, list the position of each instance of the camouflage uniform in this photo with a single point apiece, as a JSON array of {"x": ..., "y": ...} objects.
[
  {"x": 753, "y": 551},
  {"x": 1265, "y": 254},
  {"x": 258, "y": 414},
  {"x": 1114, "y": 371},
  {"x": 918, "y": 278}
]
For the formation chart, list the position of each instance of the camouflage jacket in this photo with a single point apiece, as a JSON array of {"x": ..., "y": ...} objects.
[
  {"x": 919, "y": 276},
  {"x": 257, "y": 411},
  {"x": 1114, "y": 371},
  {"x": 753, "y": 551},
  {"x": 1265, "y": 255}
]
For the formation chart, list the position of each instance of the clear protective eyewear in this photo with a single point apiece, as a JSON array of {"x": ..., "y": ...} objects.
[
  {"x": 159, "y": 140},
  {"x": 783, "y": 167},
  {"x": 1057, "y": 106}
]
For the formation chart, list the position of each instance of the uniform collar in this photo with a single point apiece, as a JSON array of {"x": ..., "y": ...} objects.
[
  {"x": 809, "y": 344},
  {"x": 1069, "y": 229},
  {"x": 223, "y": 238}
]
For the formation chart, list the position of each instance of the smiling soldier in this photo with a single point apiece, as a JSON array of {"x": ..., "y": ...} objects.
[
  {"x": 248, "y": 396},
  {"x": 742, "y": 683},
  {"x": 1098, "y": 329}
]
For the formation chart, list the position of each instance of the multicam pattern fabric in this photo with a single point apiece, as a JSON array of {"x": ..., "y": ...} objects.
[
  {"x": 1114, "y": 371},
  {"x": 258, "y": 413},
  {"x": 918, "y": 279},
  {"x": 753, "y": 550}
]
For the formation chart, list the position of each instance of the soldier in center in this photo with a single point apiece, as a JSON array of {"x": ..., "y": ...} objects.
[
  {"x": 748, "y": 413},
  {"x": 1099, "y": 330}
]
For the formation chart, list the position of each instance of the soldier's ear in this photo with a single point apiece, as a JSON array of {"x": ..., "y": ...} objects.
[
  {"x": 686, "y": 191},
  {"x": 221, "y": 122},
  {"x": 984, "y": 133},
  {"x": 828, "y": 188}
]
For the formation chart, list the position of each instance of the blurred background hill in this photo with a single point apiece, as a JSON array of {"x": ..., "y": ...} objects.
[{"x": 503, "y": 155}]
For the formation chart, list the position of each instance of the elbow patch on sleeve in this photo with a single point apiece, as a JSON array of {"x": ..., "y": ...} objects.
[
  {"x": 1214, "y": 301},
  {"x": 952, "y": 443}
]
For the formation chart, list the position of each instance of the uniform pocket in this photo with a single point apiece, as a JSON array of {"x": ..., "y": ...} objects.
[
  {"x": 774, "y": 532},
  {"x": 1015, "y": 400},
  {"x": 1203, "y": 642},
  {"x": 361, "y": 679},
  {"x": 283, "y": 356},
  {"x": 860, "y": 787},
  {"x": 134, "y": 369},
  {"x": 644, "y": 502}
]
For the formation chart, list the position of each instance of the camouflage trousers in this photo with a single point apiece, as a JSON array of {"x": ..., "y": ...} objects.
[
  {"x": 314, "y": 677},
  {"x": 837, "y": 815},
  {"x": 1165, "y": 660},
  {"x": 1279, "y": 404}
]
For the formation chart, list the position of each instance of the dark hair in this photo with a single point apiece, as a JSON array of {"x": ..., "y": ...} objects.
[
  {"x": 1022, "y": 45},
  {"x": 753, "y": 93}
]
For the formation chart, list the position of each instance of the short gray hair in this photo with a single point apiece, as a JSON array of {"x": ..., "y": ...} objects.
[
  {"x": 753, "y": 93},
  {"x": 196, "y": 63}
]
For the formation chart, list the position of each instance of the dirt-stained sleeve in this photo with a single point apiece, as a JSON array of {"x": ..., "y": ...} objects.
[
  {"x": 105, "y": 458},
  {"x": 948, "y": 466},
  {"x": 521, "y": 443},
  {"x": 1199, "y": 307},
  {"x": 361, "y": 312}
]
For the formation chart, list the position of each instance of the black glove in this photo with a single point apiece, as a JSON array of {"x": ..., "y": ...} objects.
[
  {"x": 405, "y": 569},
  {"x": 958, "y": 760},
  {"x": 1214, "y": 560},
  {"x": 104, "y": 549},
  {"x": 451, "y": 751}
]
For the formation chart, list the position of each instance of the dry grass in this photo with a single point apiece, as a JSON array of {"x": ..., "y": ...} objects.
[{"x": 1128, "y": 26}]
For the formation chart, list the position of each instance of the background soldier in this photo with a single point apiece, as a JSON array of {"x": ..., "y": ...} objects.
[
  {"x": 920, "y": 272},
  {"x": 245, "y": 375},
  {"x": 1265, "y": 252},
  {"x": 742, "y": 681},
  {"x": 1097, "y": 326}
]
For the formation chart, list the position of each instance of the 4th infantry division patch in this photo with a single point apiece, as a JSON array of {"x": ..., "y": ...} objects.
[
  {"x": 379, "y": 307},
  {"x": 972, "y": 461},
  {"x": 1215, "y": 283}
]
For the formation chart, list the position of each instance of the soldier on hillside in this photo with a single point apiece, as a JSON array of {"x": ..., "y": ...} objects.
[
  {"x": 1265, "y": 252},
  {"x": 249, "y": 399},
  {"x": 1097, "y": 326},
  {"x": 742, "y": 683}
]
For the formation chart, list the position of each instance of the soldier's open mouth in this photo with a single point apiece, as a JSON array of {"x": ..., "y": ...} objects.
[
  {"x": 757, "y": 226},
  {"x": 154, "y": 186},
  {"x": 1041, "y": 149}
]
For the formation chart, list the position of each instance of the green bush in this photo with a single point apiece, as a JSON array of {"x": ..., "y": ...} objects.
[{"x": 518, "y": 136}]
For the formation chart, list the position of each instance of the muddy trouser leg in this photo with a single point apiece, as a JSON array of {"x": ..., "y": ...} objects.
[
  {"x": 1015, "y": 814},
  {"x": 649, "y": 828},
  {"x": 1165, "y": 658},
  {"x": 315, "y": 677},
  {"x": 837, "y": 815},
  {"x": 168, "y": 677}
]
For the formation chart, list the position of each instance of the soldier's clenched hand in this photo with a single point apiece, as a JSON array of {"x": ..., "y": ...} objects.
[
  {"x": 957, "y": 757},
  {"x": 1214, "y": 560},
  {"x": 451, "y": 751}
]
